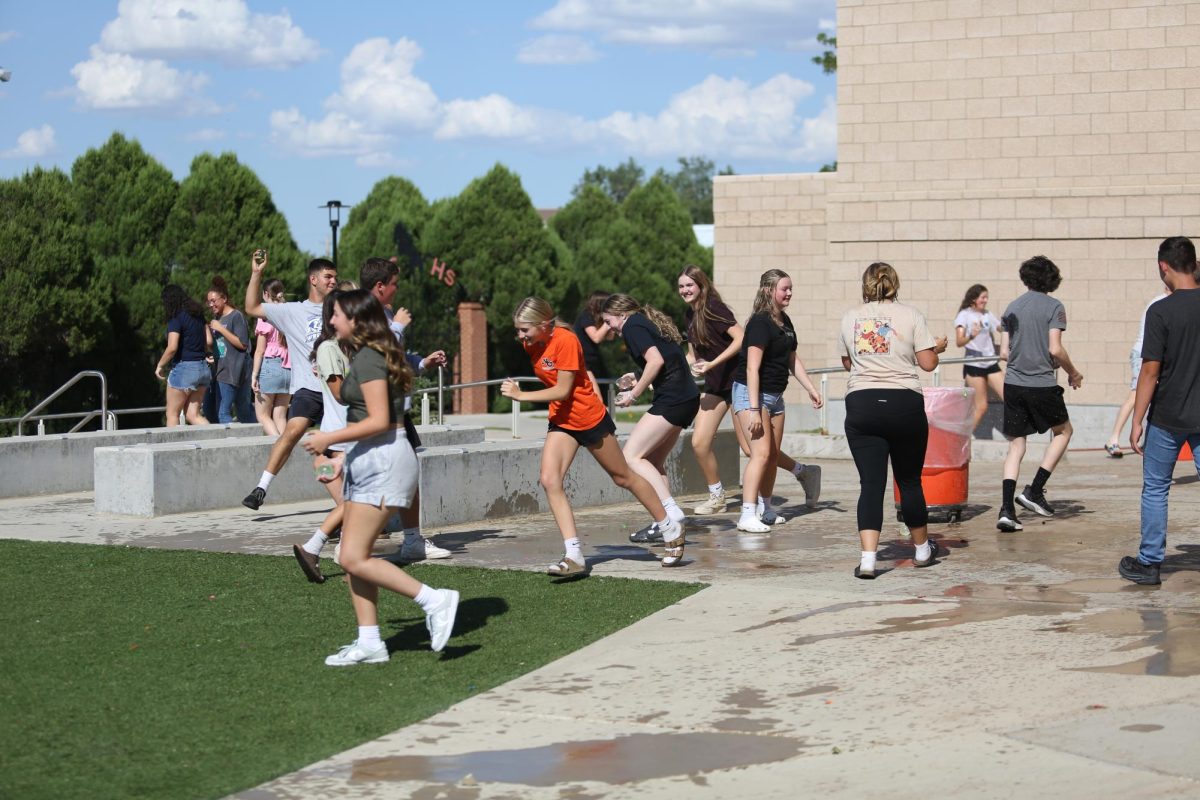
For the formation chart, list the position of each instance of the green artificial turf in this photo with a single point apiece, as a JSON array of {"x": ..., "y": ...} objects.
[{"x": 156, "y": 673}]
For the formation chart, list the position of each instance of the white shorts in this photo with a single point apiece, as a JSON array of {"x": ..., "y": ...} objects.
[{"x": 382, "y": 470}]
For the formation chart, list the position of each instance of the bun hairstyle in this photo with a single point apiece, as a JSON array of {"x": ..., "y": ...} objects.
[
  {"x": 764, "y": 299},
  {"x": 624, "y": 304},
  {"x": 219, "y": 286},
  {"x": 536, "y": 311},
  {"x": 370, "y": 329},
  {"x": 703, "y": 315},
  {"x": 880, "y": 282}
]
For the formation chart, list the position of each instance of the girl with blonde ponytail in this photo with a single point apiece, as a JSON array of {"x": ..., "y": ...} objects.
[
  {"x": 578, "y": 418},
  {"x": 653, "y": 341}
]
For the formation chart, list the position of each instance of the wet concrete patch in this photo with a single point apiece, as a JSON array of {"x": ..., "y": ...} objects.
[
  {"x": 625, "y": 759},
  {"x": 1158, "y": 738},
  {"x": 1174, "y": 634}
]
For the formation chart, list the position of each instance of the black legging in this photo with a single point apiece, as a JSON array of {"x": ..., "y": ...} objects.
[{"x": 879, "y": 423}]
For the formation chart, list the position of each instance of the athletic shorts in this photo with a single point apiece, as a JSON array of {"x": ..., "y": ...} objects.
[
  {"x": 976, "y": 371},
  {"x": 1033, "y": 409},
  {"x": 725, "y": 395},
  {"x": 273, "y": 377},
  {"x": 308, "y": 404},
  {"x": 680, "y": 414},
  {"x": 591, "y": 436}
]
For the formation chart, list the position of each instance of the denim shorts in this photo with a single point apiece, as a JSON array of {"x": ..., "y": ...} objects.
[
  {"x": 771, "y": 402},
  {"x": 188, "y": 376},
  {"x": 273, "y": 377},
  {"x": 381, "y": 470}
]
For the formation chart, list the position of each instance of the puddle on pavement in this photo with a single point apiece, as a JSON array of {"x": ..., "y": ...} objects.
[
  {"x": 1175, "y": 634},
  {"x": 833, "y": 609},
  {"x": 625, "y": 759},
  {"x": 747, "y": 697},
  {"x": 825, "y": 689},
  {"x": 1142, "y": 728}
]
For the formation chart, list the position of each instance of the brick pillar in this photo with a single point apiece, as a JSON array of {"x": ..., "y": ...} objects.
[{"x": 471, "y": 362}]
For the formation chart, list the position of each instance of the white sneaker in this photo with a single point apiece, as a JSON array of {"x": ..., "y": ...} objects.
[
  {"x": 352, "y": 654},
  {"x": 420, "y": 550},
  {"x": 715, "y": 504},
  {"x": 440, "y": 621},
  {"x": 769, "y": 517},
  {"x": 751, "y": 524},
  {"x": 810, "y": 481}
]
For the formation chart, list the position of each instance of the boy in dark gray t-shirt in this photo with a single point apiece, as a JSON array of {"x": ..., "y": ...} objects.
[{"x": 1032, "y": 328}]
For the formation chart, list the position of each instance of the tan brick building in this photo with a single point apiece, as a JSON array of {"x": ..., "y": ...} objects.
[{"x": 972, "y": 135}]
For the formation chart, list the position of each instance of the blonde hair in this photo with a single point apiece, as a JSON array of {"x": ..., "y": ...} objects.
[
  {"x": 624, "y": 304},
  {"x": 536, "y": 311},
  {"x": 880, "y": 282},
  {"x": 764, "y": 300}
]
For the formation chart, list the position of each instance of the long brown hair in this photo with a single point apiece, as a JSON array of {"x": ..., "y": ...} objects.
[
  {"x": 764, "y": 300},
  {"x": 370, "y": 329},
  {"x": 972, "y": 295},
  {"x": 624, "y": 304},
  {"x": 703, "y": 314}
]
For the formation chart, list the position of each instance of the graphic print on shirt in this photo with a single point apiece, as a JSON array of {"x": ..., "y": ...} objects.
[
  {"x": 548, "y": 364},
  {"x": 871, "y": 336},
  {"x": 313, "y": 330}
]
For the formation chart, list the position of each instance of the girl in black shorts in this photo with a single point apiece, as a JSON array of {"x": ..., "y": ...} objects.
[
  {"x": 975, "y": 329},
  {"x": 653, "y": 342}
]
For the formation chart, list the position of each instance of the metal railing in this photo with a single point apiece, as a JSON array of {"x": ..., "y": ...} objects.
[{"x": 107, "y": 421}]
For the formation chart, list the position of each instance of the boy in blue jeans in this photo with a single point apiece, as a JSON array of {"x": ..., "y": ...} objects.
[
  {"x": 1031, "y": 342},
  {"x": 1169, "y": 385}
]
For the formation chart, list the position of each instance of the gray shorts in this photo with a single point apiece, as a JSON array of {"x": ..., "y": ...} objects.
[{"x": 381, "y": 470}]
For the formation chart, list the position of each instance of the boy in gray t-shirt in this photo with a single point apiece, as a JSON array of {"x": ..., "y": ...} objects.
[{"x": 1033, "y": 400}]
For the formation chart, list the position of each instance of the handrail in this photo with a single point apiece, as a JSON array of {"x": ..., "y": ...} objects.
[{"x": 87, "y": 373}]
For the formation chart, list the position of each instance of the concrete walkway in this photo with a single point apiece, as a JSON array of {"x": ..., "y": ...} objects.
[{"x": 1018, "y": 666}]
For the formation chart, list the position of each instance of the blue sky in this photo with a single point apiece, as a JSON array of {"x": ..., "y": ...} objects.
[{"x": 324, "y": 99}]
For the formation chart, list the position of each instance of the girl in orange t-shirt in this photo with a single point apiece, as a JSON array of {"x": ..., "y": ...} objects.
[{"x": 577, "y": 418}]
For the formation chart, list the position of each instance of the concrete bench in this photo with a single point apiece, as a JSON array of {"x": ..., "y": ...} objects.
[
  {"x": 62, "y": 462},
  {"x": 460, "y": 481},
  {"x": 151, "y": 480}
]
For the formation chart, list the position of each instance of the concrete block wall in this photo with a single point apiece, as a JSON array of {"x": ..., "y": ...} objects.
[
  {"x": 974, "y": 134},
  {"x": 62, "y": 462}
]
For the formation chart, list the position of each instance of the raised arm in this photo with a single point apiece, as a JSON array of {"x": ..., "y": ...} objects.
[{"x": 254, "y": 304}]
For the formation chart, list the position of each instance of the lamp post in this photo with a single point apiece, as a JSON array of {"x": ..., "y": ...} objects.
[{"x": 335, "y": 217}]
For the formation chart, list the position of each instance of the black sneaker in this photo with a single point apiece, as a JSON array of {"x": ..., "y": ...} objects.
[
  {"x": 1133, "y": 570},
  {"x": 1035, "y": 501},
  {"x": 255, "y": 498},
  {"x": 929, "y": 562},
  {"x": 1008, "y": 521},
  {"x": 650, "y": 533}
]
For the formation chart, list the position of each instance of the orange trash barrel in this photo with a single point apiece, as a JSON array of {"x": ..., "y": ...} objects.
[
  {"x": 1185, "y": 454},
  {"x": 945, "y": 475}
]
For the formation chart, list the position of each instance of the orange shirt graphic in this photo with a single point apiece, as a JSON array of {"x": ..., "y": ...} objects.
[{"x": 583, "y": 409}]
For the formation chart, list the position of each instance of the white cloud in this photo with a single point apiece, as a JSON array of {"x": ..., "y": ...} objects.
[
  {"x": 378, "y": 85},
  {"x": 725, "y": 24},
  {"x": 33, "y": 143},
  {"x": 557, "y": 49},
  {"x": 7, "y": 35},
  {"x": 205, "y": 135},
  {"x": 494, "y": 117},
  {"x": 334, "y": 135},
  {"x": 218, "y": 30},
  {"x": 116, "y": 81}
]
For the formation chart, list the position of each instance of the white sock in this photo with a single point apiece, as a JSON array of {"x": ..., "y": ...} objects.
[
  {"x": 748, "y": 510},
  {"x": 673, "y": 510},
  {"x": 264, "y": 482},
  {"x": 923, "y": 551},
  {"x": 716, "y": 488},
  {"x": 761, "y": 508},
  {"x": 574, "y": 549},
  {"x": 428, "y": 598},
  {"x": 664, "y": 522},
  {"x": 368, "y": 637},
  {"x": 412, "y": 534},
  {"x": 867, "y": 560},
  {"x": 796, "y": 470},
  {"x": 315, "y": 544}
]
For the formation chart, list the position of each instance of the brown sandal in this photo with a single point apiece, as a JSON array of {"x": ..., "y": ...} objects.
[
  {"x": 673, "y": 554},
  {"x": 566, "y": 567}
]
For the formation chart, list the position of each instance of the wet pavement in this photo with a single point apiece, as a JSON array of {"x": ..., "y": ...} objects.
[{"x": 1018, "y": 665}]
